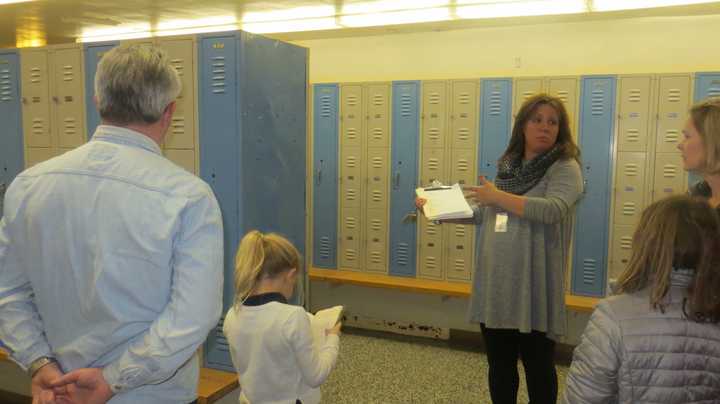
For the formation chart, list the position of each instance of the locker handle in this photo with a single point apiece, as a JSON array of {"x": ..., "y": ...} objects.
[
  {"x": 396, "y": 182},
  {"x": 319, "y": 174},
  {"x": 585, "y": 186}
]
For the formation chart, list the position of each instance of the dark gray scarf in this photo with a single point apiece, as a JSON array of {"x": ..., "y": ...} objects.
[{"x": 516, "y": 178}]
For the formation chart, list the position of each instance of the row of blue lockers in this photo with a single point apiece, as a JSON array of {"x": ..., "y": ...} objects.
[
  {"x": 596, "y": 131},
  {"x": 252, "y": 136}
]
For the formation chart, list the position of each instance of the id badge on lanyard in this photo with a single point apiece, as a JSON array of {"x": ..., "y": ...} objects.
[{"x": 501, "y": 222}]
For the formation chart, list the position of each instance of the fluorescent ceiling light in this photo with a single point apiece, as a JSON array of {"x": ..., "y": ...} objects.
[
  {"x": 611, "y": 5},
  {"x": 390, "y": 5},
  {"x": 197, "y": 30},
  {"x": 14, "y": 1},
  {"x": 132, "y": 31},
  {"x": 222, "y": 20},
  {"x": 520, "y": 8},
  {"x": 297, "y": 13},
  {"x": 397, "y": 17},
  {"x": 314, "y": 24}
]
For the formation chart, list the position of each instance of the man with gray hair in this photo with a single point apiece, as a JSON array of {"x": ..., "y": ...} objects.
[{"x": 111, "y": 256}]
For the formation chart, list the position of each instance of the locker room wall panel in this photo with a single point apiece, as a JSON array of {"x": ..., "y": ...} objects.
[
  {"x": 11, "y": 135},
  {"x": 404, "y": 174},
  {"x": 434, "y": 114},
  {"x": 181, "y": 134},
  {"x": 634, "y": 113},
  {"x": 673, "y": 103},
  {"x": 68, "y": 102},
  {"x": 325, "y": 185},
  {"x": 463, "y": 118}
]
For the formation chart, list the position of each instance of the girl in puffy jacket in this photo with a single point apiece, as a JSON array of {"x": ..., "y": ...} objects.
[{"x": 658, "y": 339}]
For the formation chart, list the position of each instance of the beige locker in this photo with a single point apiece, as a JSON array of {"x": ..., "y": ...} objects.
[
  {"x": 566, "y": 88},
  {"x": 430, "y": 250},
  {"x": 350, "y": 239},
  {"x": 459, "y": 244},
  {"x": 432, "y": 166},
  {"x": 463, "y": 167},
  {"x": 621, "y": 249},
  {"x": 67, "y": 97},
  {"x": 524, "y": 89},
  {"x": 434, "y": 114},
  {"x": 34, "y": 155},
  {"x": 35, "y": 85},
  {"x": 377, "y": 178},
  {"x": 634, "y": 113},
  {"x": 670, "y": 178},
  {"x": 351, "y": 177},
  {"x": 464, "y": 114},
  {"x": 183, "y": 158},
  {"x": 378, "y": 115},
  {"x": 351, "y": 115},
  {"x": 376, "y": 235},
  {"x": 181, "y": 134},
  {"x": 673, "y": 104},
  {"x": 629, "y": 187}
]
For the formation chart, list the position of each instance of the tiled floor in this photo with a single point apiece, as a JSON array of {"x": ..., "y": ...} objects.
[{"x": 378, "y": 368}]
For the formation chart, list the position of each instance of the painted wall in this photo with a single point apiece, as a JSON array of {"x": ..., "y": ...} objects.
[
  {"x": 620, "y": 46},
  {"x": 637, "y": 45}
]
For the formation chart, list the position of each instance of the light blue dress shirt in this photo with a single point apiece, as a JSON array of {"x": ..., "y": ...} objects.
[{"x": 111, "y": 256}]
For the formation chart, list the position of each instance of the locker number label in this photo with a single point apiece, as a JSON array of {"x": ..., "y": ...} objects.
[{"x": 218, "y": 45}]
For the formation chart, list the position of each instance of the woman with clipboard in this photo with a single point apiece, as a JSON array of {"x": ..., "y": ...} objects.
[{"x": 519, "y": 284}]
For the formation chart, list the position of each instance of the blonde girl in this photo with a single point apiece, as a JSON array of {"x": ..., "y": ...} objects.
[{"x": 271, "y": 342}]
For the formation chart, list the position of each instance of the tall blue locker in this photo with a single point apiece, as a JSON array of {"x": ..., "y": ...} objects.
[
  {"x": 11, "y": 136},
  {"x": 405, "y": 136},
  {"x": 252, "y": 104},
  {"x": 93, "y": 52},
  {"x": 707, "y": 85},
  {"x": 495, "y": 125},
  {"x": 325, "y": 175},
  {"x": 597, "y": 112}
]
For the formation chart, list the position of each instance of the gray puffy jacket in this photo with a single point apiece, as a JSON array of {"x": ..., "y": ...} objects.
[{"x": 630, "y": 353}]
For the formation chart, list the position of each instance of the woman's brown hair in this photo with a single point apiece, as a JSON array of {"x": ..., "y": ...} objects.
[
  {"x": 677, "y": 232},
  {"x": 262, "y": 256},
  {"x": 568, "y": 148}
]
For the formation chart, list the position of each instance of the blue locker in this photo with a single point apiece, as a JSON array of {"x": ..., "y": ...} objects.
[
  {"x": 707, "y": 85},
  {"x": 93, "y": 52},
  {"x": 325, "y": 175},
  {"x": 495, "y": 125},
  {"x": 219, "y": 160},
  {"x": 405, "y": 137},
  {"x": 597, "y": 111},
  {"x": 252, "y": 103},
  {"x": 11, "y": 136}
]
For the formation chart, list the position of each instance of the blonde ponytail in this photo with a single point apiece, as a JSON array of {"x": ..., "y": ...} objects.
[{"x": 262, "y": 256}]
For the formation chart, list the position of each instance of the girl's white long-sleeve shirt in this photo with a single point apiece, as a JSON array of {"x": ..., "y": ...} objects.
[{"x": 272, "y": 349}]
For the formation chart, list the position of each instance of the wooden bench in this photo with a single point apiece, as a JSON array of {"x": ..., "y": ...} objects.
[
  {"x": 212, "y": 386},
  {"x": 572, "y": 302}
]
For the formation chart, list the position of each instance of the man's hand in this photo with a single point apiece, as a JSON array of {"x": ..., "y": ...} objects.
[
  {"x": 419, "y": 203},
  {"x": 87, "y": 386},
  {"x": 41, "y": 385}
]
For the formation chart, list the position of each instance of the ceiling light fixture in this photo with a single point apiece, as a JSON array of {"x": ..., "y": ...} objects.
[
  {"x": 509, "y": 8},
  {"x": 613, "y": 5},
  {"x": 311, "y": 24},
  {"x": 396, "y": 17}
]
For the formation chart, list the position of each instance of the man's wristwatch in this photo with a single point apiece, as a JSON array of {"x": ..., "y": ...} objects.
[{"x": 39, "y": 363}]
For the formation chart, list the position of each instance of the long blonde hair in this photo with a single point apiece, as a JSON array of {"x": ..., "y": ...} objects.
[
  {"x": 262, "y": 256},
  {"x": 705, "y": 117},
  {"x": 677, "y": 232}
]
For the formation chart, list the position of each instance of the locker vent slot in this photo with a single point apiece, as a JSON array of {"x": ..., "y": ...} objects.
[
  {"x": 629, "y": 209},
  {"x": 563, "y": 95},
  {"x": 377, "y": 195},
  {"x": 402, "y": 254},
  {"x": 459, "y": 265},
  {"x": 460, "y": 231},
  {"x": 68, "y": 74},
  {"x": 464, "y": 98},
  {"x": 626, "y": 242},
  {"x": 218, "y": 83},
  {"x": 430, "y": 262},
  {"x": 672, "y": 136},
  {"x": 376, "y": 257},
  {"x": 350, "y": 222},
  {"x": 434, "y": 134},
  {"x": 464, "y": 134},
  {"x": 434, "y": 98},
  {"x": 635, "y": 95},
  {"x": 220, "y": 340},
  {"x": 589, "y": 266},
  {"x": 405, "y": 105},
  {"x": 495, "y": 106},
  {"x": 351, "y": 133},
  {"x": 669, "y": 171},
  {"x": 631, "y": 169},
  {"x": 632, "y": 135},
  {"x": 378, "y": 100},
  {"x": 674, "y": 95},
  {"x": 352, "y": 100},
  {"x": 598, "y": 102},
  {"x": 325, "y": 247}
]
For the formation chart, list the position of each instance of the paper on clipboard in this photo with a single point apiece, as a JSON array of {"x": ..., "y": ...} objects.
[{"x": 444, "y": 202}]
